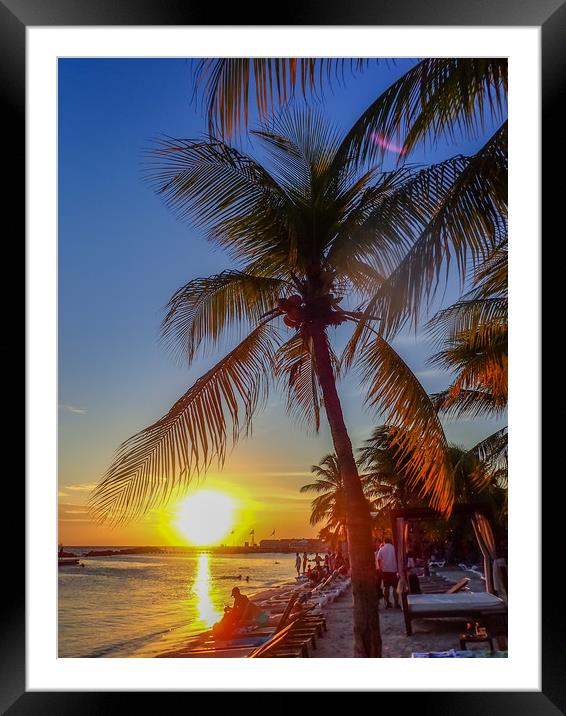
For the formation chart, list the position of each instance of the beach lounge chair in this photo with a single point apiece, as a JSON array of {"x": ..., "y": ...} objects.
[
  {"x": 282, "y": 644},
  {"x": 242, "y": 642},
  {"x": 462, "y": 604},
  {"x": 439, "y": 585},
  {"x": 235, "y": 649},
  {"x": 462, "y": 584}
]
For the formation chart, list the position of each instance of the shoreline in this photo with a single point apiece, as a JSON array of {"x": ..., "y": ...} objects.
[{"x": 222, "y": 549}]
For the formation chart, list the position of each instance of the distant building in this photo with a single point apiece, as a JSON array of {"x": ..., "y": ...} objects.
[
  {"x": 292, "y": 545},
  {"x": 275, "y": 544},
  {"x": 306, "y": 545}
]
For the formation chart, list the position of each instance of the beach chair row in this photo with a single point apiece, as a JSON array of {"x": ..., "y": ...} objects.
[{"x": 297, "y": 640}]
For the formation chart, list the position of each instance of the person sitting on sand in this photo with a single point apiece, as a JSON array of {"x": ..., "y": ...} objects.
[
  {"x": 243, "y": 612},
  {"x": 243, "y": 608}
]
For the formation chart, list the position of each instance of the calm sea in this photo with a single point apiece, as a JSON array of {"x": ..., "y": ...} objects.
[{"x": 143, "y": 605}]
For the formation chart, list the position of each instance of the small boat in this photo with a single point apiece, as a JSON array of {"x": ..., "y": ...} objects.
[{"x": 67, "y": 561}]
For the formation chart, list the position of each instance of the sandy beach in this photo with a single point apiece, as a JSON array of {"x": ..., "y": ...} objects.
[{"x": 428, "y": 634}]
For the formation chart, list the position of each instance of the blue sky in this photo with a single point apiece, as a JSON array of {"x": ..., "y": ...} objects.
[{"x": 122, "y": 254}]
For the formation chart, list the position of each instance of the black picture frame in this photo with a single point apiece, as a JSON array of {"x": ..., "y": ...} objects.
[{"x": 15, "y": 16}]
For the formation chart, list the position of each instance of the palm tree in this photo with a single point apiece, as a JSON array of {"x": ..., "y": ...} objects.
[
  {"x": 476, "y": 473},
  {"x": 307, "y": 235},
  {"x": 330, "y": 505},
  {"x": 332, "y": 537},
  {"x": 472, "y": 334},
  {"x": 387, "y": 482}
]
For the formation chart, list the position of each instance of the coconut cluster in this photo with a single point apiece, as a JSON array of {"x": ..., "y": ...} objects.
[
  {"x": 293, "y": 308},
  {"x": 297, "y": 311}
]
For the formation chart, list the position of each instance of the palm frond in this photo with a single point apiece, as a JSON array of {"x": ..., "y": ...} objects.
[
  {"x": 295, "y": 365},
  {"x": 321, "y": 485},
  {"x": 230, "y": 83},
  {"x": 467, "y": 403},
  {"x": 438, "y": 98},
  {"x": 167, "y": 455},
  {"x": 363, "y": 278},
  {"x": 480, "y": 359},
  {"x": 378, "y": 228},
  {"x": 218, "y": 187},
  {"x": 301, "y": 145},
  {"x": 482, "y": 317},
  {"x": 418, "y": 435},
  {"x": 464, "y": 216},
  {"x": 492, "y": 452},
  {"x": 490, "y": 278},
  {"x": 483, "y": 310},
  {"x": 204, "y": 308}
]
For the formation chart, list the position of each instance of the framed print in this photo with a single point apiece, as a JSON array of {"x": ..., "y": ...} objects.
[{"x": 321, "y": 206}]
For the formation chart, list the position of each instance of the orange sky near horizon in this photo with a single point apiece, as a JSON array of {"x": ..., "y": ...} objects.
[
  {"x": 261, "y": 474},
  {"x": 266, "y": 509}
]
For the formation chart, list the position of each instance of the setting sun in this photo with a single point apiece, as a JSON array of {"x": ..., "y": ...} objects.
[{"x": 205, "y": 517}]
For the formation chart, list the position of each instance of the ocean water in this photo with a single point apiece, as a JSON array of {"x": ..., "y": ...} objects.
[{"x": 143, "y": 605}]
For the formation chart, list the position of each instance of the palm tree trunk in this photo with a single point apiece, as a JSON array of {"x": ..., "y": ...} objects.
[{"x": 367, "y": 635}]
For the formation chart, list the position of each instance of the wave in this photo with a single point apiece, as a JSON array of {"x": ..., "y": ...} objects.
[{"x": 135, "y": 642}]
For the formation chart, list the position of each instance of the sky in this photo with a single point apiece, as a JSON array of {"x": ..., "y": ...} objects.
[{"x": 121, "y": 256}]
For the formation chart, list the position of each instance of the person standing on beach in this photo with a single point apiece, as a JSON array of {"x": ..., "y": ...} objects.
[
  {"x": 387, "y": 562},
  {"x": 380, "y": 594},
  {"x": 305, "y": 560},
  {"x": 298, "y": 564}
]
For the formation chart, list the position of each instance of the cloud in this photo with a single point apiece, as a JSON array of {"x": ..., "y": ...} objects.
[
  {"x": 73, "y": 409},
  {"x": 431, "y": 373},
  {"x": 62, "y": 494},
  {"x": 83, "y": 487},
  {"x": 409, "y": 339},
  {"x": 73, "y": 519},
  {"x": 286, "y": 474},
  {"x": 69, "y": 512}
]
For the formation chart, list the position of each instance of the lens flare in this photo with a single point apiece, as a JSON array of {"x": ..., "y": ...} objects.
[{"x": 382, "y": 141}]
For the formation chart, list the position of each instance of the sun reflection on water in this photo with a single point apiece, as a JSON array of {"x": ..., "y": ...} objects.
[{"x": 206, "y": 610}]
